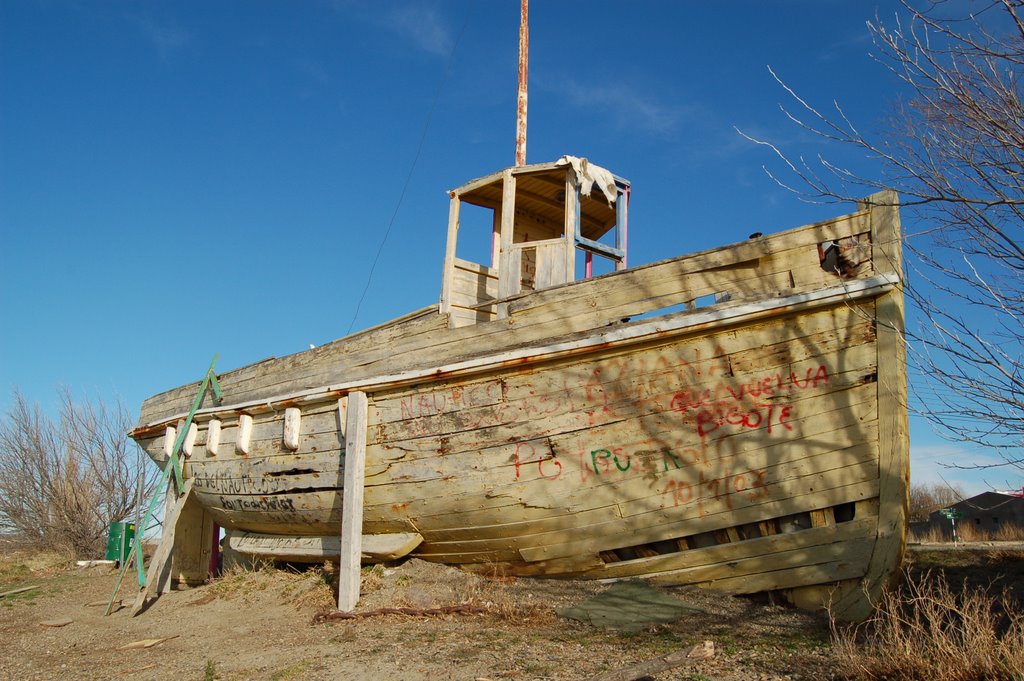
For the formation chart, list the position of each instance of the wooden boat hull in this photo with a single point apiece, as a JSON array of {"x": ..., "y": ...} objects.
[{"x": 755, "y": 444}]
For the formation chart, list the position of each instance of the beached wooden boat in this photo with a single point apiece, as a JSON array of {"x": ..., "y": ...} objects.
[{"x": 735, "y": 418}]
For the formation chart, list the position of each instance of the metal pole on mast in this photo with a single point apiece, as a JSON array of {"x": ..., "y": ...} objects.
[{"x": 524, "y": 46}]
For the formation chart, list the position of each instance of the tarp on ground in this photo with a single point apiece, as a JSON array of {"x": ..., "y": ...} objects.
[{"x": 629, "y": 606}]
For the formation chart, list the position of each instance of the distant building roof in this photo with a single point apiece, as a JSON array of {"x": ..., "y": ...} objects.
[{"x": 988, "y": 501}]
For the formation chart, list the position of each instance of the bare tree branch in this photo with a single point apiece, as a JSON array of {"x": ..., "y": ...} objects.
[
  {"x": 954, "y": 150},
  {"x": 926, "y": 499},
  {"x": 63, "y": 482}
]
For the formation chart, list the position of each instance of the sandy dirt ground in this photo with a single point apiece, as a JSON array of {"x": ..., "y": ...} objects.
[
  {"x": 264, "y": 624},
  {"x": 269, "y": 624}
]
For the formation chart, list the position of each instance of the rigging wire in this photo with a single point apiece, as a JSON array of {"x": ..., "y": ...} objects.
[{"x": 412, "y": 168}]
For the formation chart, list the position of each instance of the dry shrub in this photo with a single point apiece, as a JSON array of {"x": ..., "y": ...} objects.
[
  {"x": 311, "y": 591},
  {"x": 926, "y": 631},
  {"x": 63, "y": 480},
  {"x": 371, "y": 578},
  {"x": 504, "y": 606},
  {"x": 241, "y": 579},
  {"x": 971, "y": 533},
  {"x": 497, "y": 592},
  {"x": 932, "y": 535}
]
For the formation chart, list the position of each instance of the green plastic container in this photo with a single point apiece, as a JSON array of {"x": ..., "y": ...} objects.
[{"x": 119, "y": 541}]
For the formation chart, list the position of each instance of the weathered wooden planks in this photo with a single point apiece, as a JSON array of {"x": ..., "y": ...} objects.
[
  {"x": 748, "y": 267},
  {"x": 622, "y": 392},
  {"x": 555, "y": 442},
  {"x": 669, "y": 564},
  {"x": 309, "y": 368},
  {"x": 473, "y": 288}
]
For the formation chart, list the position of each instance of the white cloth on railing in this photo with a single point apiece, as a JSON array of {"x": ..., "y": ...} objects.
[{"x": 589, "y": 174}]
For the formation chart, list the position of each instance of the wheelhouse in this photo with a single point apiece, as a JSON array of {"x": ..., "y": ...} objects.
[{"x": 548, "y": 223}]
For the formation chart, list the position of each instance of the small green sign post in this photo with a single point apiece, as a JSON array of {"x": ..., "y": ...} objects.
[{"x": 953, "y": 515}]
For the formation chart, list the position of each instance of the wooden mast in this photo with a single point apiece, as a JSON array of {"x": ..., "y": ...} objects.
[{"x": 524, "y": 44}]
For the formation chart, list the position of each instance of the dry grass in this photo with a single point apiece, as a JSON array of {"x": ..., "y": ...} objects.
[
  {"x": 927, "y": 631},
  {"x": 932, "y": 535},
  {"x": 969, "y": 533},
  {"x": 1006, "y": 532},
  {"x": 24, "y": 566},
  {"x": 305, "y": 590},
  {"x": 495, "y": 591},
  {"x": 1009, "y": 533},
  {"x": 25, "y": 561},
  {"x": 315, "y": 589},
  {"x": 417, "y": 586},
  {"x": 499, "y": 600},
  {"x": 371, "y": 578}
]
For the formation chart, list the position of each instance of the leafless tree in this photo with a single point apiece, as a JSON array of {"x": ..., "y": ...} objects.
[
  {"x": 954, "y": 150},
  {"x": 63, "y": 482},
  {"x": 926, "y": 499}
]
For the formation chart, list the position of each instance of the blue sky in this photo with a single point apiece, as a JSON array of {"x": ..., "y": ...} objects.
[{"x": 190, "y": 178}]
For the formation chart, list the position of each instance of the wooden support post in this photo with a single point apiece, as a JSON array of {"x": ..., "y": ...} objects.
[
  {"x": 193, "y": 544},
  {"x": 448, "y": 276},
  {"x": 495, "y": 240},
  {"x": 352, "y": 502},
  {"x": 171, "y": 512},
  {"x": 508, "y": 275},
  {"x": 621, "y": 226},
  {"x": 572, "y": 222},
  {"x": 189, "y": 555},
  {"x": 163, "y": 551}
]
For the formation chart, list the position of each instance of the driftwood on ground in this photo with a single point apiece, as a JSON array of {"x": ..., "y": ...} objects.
[
  {"x": 18, "y": 591},
  {"x": 643, "y": 669},
  {"x": 412, "y": 612}
]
